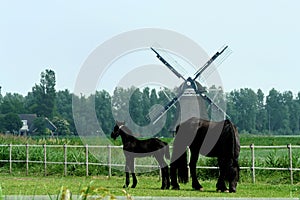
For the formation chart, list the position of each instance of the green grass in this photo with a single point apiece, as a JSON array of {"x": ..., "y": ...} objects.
[
  {"x": 147, "y": 186},
  {"x": 269, "y": 183},
  {"x": 264, "y": 157},
  {"x": 268, "y": 140}
]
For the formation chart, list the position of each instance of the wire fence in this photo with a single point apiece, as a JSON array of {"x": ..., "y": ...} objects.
[{"x": 44, "y": 152}]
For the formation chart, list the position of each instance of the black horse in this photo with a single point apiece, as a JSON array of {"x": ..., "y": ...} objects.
[
  {"x": 132, "y": 148},
  {"x": 212, "y": 139}
]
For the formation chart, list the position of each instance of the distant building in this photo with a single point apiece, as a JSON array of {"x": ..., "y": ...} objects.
[{"x": 28, "y": 127}]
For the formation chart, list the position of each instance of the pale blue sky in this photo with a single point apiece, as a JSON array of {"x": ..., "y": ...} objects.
[{"x": 263, "y": 34}]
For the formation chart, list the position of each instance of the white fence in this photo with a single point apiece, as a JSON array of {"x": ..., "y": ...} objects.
[{"x": 86, "y": 148}]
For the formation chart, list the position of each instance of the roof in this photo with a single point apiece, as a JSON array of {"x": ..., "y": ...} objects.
[{"x": 30, "y": 119}]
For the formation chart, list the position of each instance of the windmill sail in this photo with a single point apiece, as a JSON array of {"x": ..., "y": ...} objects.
[
  {"x": 167, "y": 64},
  {"x": 189, "y": 83},
  {"x": 208, "y": 63}
]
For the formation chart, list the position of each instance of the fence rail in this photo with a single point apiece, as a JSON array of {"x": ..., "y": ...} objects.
[{"x": 110, "y": 165}]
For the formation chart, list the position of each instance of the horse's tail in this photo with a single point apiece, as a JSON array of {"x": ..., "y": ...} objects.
[
  {"x": 182, "y": 167},
  {"x": 236, "y": 143},
  {"x": 235, "y": 146}
]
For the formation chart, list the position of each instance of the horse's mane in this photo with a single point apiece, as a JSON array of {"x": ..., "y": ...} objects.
[{"x": 127, "y": 131}]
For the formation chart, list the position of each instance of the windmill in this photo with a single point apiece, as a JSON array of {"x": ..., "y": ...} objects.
[{"x": 189, "y": 87}]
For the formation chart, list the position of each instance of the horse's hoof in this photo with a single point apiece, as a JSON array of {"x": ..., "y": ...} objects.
[
  {"x": 225, "y": 191},
  {"x": 165, "y": 187},
  {"x": 232, "y": 191},
  {"x": 133, "y": 186},
  {"x": 199, "y": 188},
  {"x": 125, "y": 186},
  {"x": 175, "y": 188}
]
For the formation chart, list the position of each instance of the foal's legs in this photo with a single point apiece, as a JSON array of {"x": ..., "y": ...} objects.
[
  {"x": 127, "y": 180},
  {"x": 130, "y": 168}
]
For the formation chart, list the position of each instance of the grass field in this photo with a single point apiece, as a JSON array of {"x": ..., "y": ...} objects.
[
  {"x": 147, "y": 186},
  {"x": 269, "y": 183}
]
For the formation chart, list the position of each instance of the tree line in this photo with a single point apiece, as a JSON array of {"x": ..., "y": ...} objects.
[{"x": 252, "y": 111}]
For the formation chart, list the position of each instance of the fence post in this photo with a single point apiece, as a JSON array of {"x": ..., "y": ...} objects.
[
  {"x": 45, "y": 159},
  {"x": 87, "y": 159},
  {"x": 188, "y": 160},
  {"x": 109, "y": 160},
  {"x": 253, "y": 162},
  {"x": 289, "y": 146},
  {"x": 10, "y": 160},
  {"x": 27, "y": 155},
  {"x": 66, "y": 159}
]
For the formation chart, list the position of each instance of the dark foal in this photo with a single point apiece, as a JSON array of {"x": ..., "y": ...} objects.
[
  {"x": 212, "y": 139},
  {"x": 132, "y": 148}
]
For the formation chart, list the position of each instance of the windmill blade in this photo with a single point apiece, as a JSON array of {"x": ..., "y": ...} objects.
[
  {"x": 208, "y": 72},
  {"x": 167, "y": 64},
  {"x": 208, "y": 63},
  {"x": 211, "y": 102},
  {"x": 155, "y": 115}
]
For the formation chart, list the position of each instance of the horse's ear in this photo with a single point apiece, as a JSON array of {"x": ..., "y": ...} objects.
[{"x": 120, "y": 123}]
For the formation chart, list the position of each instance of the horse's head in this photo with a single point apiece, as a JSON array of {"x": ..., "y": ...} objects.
[{"x": 116, "y": 131}]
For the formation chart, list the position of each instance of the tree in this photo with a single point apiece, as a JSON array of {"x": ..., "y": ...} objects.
[
  {"x": 62, "y": 126},
  {"x": 292, "y": 124},
  {"x": 43, "y": 101},
  {"x": 119, "y": 103},
  {"x": 136, "y": 107},
  {"x": 12, "y": 122},
  {"x": 278, "y": 113},
  {"x": 104, "y": 111},
  {"x": 1, "y": 97},
  {"x": 12, "y": 103},
  {"x": 40, "y": 125},
  {"x": 2, "y": 124},
  {"x": 64, "y": 108},
  {"x": 261, "y": 116},
  {"x": 243, "y": 108},
  {"x": 146, "y": 105},
  {"x": 153, "y": 97}
]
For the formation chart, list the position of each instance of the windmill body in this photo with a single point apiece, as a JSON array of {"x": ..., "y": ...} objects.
[{"x": 191, "y": 99}]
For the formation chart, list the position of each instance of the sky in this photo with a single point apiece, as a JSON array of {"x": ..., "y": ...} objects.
[{"x": 60, "y": 35}]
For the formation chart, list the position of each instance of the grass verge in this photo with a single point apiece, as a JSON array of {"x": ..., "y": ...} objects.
[{"x": 147, "y": 186}]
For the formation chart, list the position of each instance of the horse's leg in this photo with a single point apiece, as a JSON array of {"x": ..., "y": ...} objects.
[
  {"x": 233, "y": 177},
  {"x": 164, "y": 171},
  {"x": 232, "y": 183},
  {"x": 193, "y": 162},
  {"x": 221, "y": 186},
  {"x": 131, "y": 169},
  {"x": 134, "y": 180},
  {"x": 127, "y": 180},
  {"x": 173, "y": 175},
  {"x": 167, "y": 177}
]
